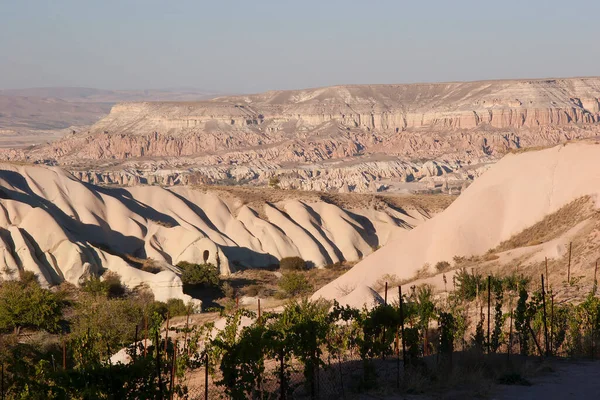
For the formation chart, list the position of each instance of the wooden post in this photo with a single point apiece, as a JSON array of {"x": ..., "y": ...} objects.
[
  {"x": 187, "y": 325},
  {"x": 551, "y": 322},
  {"x": 535, "y": 341},
  {"x": 64, "y": 354},
  {"x": 569, "y": 268},
  {"x": 397, "y": 359},
  {"x": 385, "y": 296},
  {"x": 383, "y": 333},
  {"x": 488, "y": 315},
  {"x": 259, "y": 314},
  {"x": 135, "y": 343},
  {"x": 2, "y": 383},
  {"x": 547, "y": 343},
  {"x": 547, "y": 276},
  {"x": 282, "y": 376},
  {"x": 596, "y": 273},
  {"x": 206, "y": 376},
  {"x": 173, "y": 367},
  {"x": 146, "y": 335},
  {"x": 510, "y": 332},
  {"x": 167, "y": 332},
  {"x": 401, "y": 302},
  {"x": 158, "y": 366}
]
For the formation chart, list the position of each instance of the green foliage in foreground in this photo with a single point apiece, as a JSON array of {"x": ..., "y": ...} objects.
[
  {"x": 95, "y": 324},
  {"x": 294, "y": 284},
  {"x": 203, "y": 275},
  {"x": 25, "y": 304}
]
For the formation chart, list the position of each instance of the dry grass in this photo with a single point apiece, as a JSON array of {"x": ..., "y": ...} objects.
[
  {"x": 145, "y": 264},
  {"x": 257, "y": 197},
  {"x": 549, "y": 146},
  {"x": 552, "y": 226}
]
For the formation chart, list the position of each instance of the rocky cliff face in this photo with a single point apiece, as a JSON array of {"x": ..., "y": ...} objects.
[{"x": 454, "y": 124}]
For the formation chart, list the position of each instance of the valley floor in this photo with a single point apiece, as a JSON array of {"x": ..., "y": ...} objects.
[{"x": 570, "y": 380}]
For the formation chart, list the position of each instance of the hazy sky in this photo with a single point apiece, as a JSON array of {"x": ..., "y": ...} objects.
[{"x": 250, "y": 46}]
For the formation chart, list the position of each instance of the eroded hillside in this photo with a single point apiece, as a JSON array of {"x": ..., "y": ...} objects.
[
  {"x": 64, "y": 230},
  {"x": 348, "y": 138}
]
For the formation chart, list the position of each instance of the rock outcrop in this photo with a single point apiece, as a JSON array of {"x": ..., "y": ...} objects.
[
  {"x": 513, "y": 196},
  {"x": 63, "y": 229},
  {"x": 250, "y": 137}
]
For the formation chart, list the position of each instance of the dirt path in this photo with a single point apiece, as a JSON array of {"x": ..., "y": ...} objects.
[{"x": 570, "y": 380}]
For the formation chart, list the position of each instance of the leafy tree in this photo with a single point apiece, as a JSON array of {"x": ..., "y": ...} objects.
[
  {"x": 478, "y": 338},
  {"x": 108, "y": 285},
  {"x": 106, "y": 323},
  {"x": 467, "y": 285},
  {"x": 203, "y": 275},
  {"x": 496, "y": 339},
  {"x": 522, "y": 319},
  {"x": 294, "y": 284},
  {"x": 177, "y": 307},
  {"x": 28, "y": 305},
  {"x": 423, "y": 299}
]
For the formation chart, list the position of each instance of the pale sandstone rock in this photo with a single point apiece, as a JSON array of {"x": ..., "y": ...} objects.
[
  {"x": 63, "y": 229},
  {"x": 301, "y": 132}
]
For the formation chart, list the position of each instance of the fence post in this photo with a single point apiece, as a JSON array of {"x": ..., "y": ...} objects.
[
  {"x": 551, "y": 321},
  {"x": 397, "y": 360},
  {"x": 596, "y": 273},
  {"x": 158, "y": 372},
  {"x": 313, "y": 391},
  {"x": 282, "y": 375},
  {"x": 259, "y": 312},
  {"x": 135, "y": 343},
  {"x": 173, "y": 366},
  {"x": 545, "y": 323},
  {"x": 206, "y": 375},
  {"x": 402, "y": 327},
  {"x": 386, "y": 290},
  {"x": 2, "y": 383},
  {"x": 510, "y": 333},
  {"x": 64, "y": 354},
  {"x": 146, "y": 335},
  {"x": 488, "y": 315},
  {"x": 569, "y": 267},
  {"x": 537, "y": 345},
  {"x": 167, "y": 332},
  {"x": 383, "y": 333},
  {"x": 187, "y": 325},
  {"x": 547, "y": 277}
]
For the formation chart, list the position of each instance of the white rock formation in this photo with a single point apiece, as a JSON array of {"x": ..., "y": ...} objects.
[
  {"x": 514, "y": 194},
  {"x": 63, "y": 229}
]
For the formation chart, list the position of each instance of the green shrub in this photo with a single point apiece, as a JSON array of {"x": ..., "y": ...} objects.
[
  {"x": 294, "y": 284},
  {"x": 467, "y": 285},
  {"x": 109, "y": 285},
  {"x": 28, "y": 305},
  {"x": 205, "y": 275},
  {"x": 177, "y": 307},
  {"x": 292, "y": 264}
]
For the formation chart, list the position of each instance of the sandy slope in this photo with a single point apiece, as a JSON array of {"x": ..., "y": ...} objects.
[
  {"x": 63, "y": 229},
  {"x": 513, "y": 195}
]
